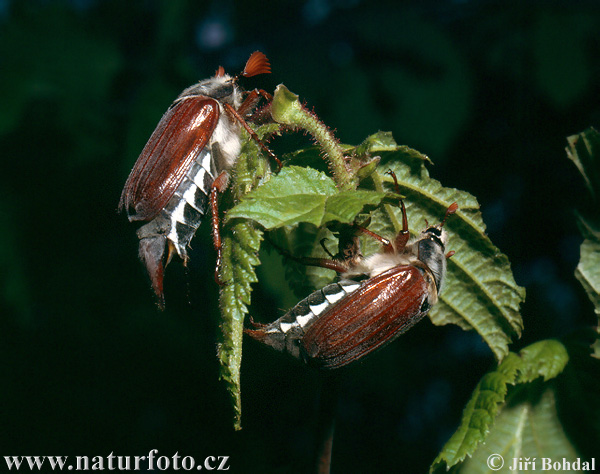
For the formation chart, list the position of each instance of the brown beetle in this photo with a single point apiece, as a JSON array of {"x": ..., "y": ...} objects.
[
  {"x": 348, "y": 320},
  {"x": 184, "y": 165}
]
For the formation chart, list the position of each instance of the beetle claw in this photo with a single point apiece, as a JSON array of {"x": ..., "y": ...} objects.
[{"x": 255, "y": 324}]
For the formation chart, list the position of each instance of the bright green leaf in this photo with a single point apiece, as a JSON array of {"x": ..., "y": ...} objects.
[
  {"x": 480, "y": 412},
  {"x": 546, "y": 359},
  {"x": 241, "y": 242},
  {"x": 294, "y": 195},
  {"x": 346, "y": 205},
  {"x": 305, "y": 195},
  {"x": 528, "y": 430}
]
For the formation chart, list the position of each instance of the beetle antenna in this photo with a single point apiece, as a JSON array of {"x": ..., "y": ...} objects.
[{"x": 257, "y": 63}]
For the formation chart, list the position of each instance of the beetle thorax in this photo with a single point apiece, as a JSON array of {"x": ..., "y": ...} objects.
[
  {"x": 225, "y": 141},
  {"x": 426, "y": 251},
  {"x": 377, "y": 263},
  {"x": 222, "y": 88}
]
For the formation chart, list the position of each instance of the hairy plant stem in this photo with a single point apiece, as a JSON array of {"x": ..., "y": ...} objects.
[{"x": 287, "y": 109}]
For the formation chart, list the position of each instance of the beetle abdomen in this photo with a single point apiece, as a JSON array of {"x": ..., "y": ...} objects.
[
  {"x": 178, "y": 221},
  {"x": 385, "y": 307},
  {"x": 286, "y": 333},
  {"x": 186, "y": 209}
]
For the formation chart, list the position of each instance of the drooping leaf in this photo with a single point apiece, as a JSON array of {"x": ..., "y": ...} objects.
[
  {"x": 584, "y": 151},
  {"x": 241, "y": 242},
  {"x": 480, "y": 412},
  {"x": 528, "y": 430},
  {"x": 545, "y": 359},
  {"x": 237, "y": 271}
]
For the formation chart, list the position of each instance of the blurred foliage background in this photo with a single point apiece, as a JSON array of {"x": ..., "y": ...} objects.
[{"x": 488, "y": 89}]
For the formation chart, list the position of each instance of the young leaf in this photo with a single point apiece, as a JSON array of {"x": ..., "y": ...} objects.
[
  {"x": 241, "y": 242},
  {"x": 299, "y": 195},
  {"x": 546, "y": 359},
  {"x": 287, "y": 109},
  {"x": 294, "y": 195}
]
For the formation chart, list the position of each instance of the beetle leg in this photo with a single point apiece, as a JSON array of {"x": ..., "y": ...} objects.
[
  {"x": 249, "y": 102},
  {"x": 252, "y": 99},
  {"x": 255, "y": 324},
  {"x": 404, "y": 234},
  {"x": 329, "y": 263},
  {"x": 387, "y": 245},
  {"x": 219, "y": 185},
  {"x": 252, "y": 133},
  {"x": 322, "y": 242}
]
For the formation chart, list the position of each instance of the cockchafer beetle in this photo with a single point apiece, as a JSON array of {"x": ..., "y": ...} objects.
[
  {"x": 185, "y": 164},
  {"x": 349, "y": 319}
]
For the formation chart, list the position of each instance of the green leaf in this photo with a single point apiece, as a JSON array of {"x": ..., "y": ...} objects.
[
  {"x": 584, "y": 151},
  {"x": 588, "y": 271},
  {"x": 240, "y": 246},
  {"x": 479, "y": 290},
  {"x": 545, "y": 359},
  {"x": 294, "y": 195},
  {"x": 346, "y": 205},
  {"x": 527, "y": 430},
  {"x": 298, "y": 195},
  {"x": 241, "y": 242},
  {"x": 479, "y": 413}
]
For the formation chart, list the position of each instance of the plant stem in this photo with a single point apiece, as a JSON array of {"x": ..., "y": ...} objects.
[
  {"x": 287, "y": 109},
  {"x": 326, "y": 423}
]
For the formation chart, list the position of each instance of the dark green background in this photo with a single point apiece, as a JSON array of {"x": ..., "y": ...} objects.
[{"x": 488, "y": 89}]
